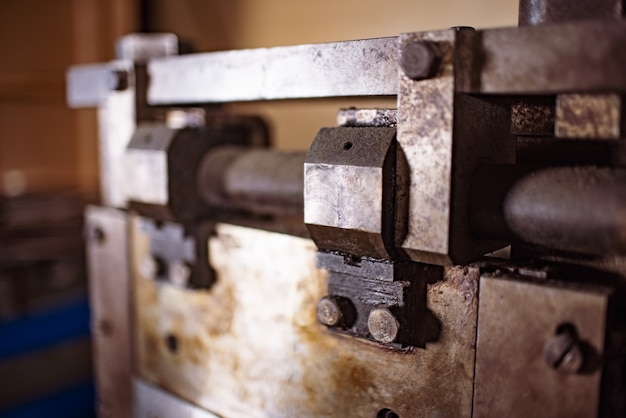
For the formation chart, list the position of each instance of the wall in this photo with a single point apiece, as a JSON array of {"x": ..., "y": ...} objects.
[{"x": 44, "y": 146}]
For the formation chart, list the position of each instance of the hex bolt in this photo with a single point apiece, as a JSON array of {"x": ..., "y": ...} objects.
[
  {"x": 335, "y": 311},
  {"x": 118, "y": 80},
  {"x": 383, "y": 325},
  {"x": 419, "y": 60},
  {"x": 563, "y": 351}
]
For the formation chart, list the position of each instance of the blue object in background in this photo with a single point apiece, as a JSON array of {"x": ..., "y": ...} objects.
[
  {"x": 36, "y": 332},
  {"x": 43, "y": 329},
  {"x": 76, "y": 402}
]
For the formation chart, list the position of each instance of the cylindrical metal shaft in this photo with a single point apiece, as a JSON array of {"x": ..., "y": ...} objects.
[
  {"x": 260, "y": 180},
  {"x": 579, "y": 209}
]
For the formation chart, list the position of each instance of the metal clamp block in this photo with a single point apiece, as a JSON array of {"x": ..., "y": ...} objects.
[
  {"x": 349, "y": 189},
  {"x": 162, "y": 167}
]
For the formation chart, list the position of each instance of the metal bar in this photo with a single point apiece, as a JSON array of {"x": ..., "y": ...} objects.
[
  {"x": 565, "y": 208},
  {"x": 538, "y": 12},
  {"x": 583, "y": 57},
  {"x": 259, "y": 180},
  {"x": 109, "y": 295},
  {"x": 354, "y": 68}
]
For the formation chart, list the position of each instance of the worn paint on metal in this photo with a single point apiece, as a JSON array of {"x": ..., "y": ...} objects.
[{"x": 251, "y": 346}]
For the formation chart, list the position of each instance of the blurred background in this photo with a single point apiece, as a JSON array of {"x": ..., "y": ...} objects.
[{"x": 48, "y": 153}]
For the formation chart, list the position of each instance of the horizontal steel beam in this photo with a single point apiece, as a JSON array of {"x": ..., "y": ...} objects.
[
  {"x": 354, "y": 68},
  {"x": 581, "y": 57}
]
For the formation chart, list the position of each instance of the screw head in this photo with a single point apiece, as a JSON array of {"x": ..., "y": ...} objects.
[
  {"x": 329, "y": 312},
  {"x": 419, "y": 60},
  {"x": 563, "y": 353},
  {"x": 383, "y": 325}
]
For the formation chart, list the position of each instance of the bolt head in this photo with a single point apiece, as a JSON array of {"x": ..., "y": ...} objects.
[
  {"x": 329, "y": 312},
  {"x": 572, "y": 361},
  {"x": 563, "y": 353},
  {"x": 419, "y": 60},
  {"x": 383, "y": 325}
]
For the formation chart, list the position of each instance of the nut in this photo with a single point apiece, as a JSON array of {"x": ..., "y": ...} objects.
[
  {"x": 419, "y": 60},
  {"x": 383, "y": 325}
]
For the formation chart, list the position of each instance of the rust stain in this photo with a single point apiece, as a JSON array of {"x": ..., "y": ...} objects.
[{"x": 235, "y": 355}]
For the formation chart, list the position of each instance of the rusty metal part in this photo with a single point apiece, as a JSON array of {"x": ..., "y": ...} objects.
[
  {"x": 383, "y": 326},
  {"x": 349, "y": 188},
  {"x": 233, "y": 341},
  {"x": 374, "y": 118},
  {"x": 419, "y": 59},
  {"x": 589, "y": 116},
  {"x": 399, "y": 287},
  {"x": 354, "y": 68},
  {"x": 110, "y": 301},
  {"x": 549, "y": 59},
  {"x": 552, "y": 207},
  {"x": 335, "y": 311},
  {"x": 533, "y": 116},
  {"x": 538, "y": 12},
  {"x": 258, "y": 180},
  {"x": 516, "y": 318},
  {"x": 443, "y": 137}
]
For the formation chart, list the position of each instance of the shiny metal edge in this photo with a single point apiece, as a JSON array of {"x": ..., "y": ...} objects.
[{"x": 152, "y": 402}]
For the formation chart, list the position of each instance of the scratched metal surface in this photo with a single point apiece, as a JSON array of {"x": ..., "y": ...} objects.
[
  {"x": 353, "y": 68},
  {"x": 251, "y": 347}
]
